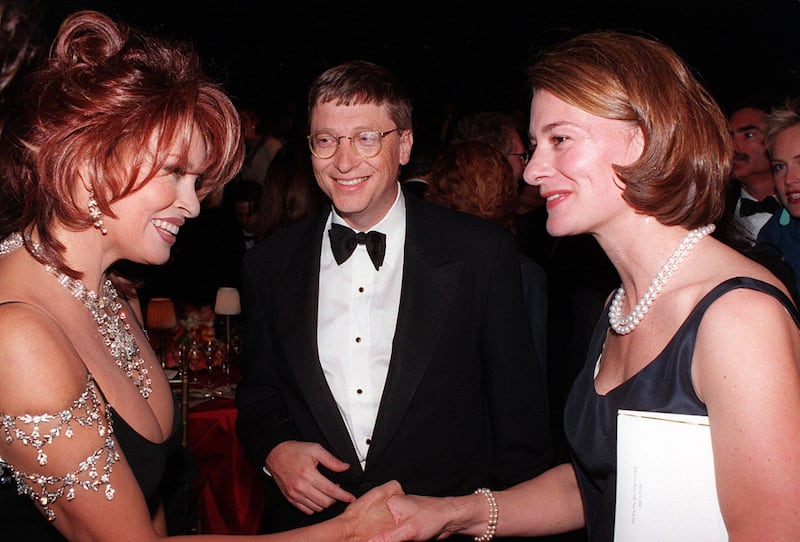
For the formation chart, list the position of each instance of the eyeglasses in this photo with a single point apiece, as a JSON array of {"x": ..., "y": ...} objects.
[
  {"x": 523, "y": 156},
  {"x": 366, "y": 144}
]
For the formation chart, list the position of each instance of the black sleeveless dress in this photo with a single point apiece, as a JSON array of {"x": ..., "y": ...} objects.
[
  {"x": 665, "y": 385},
  {"x": 20, "y": 519}
]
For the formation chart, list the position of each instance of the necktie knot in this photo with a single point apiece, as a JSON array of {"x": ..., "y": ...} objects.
[
  {"x": 344, "y": 241},
  {"x": 749, "y": 207}
]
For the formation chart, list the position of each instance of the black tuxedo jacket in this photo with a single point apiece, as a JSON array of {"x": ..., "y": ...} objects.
[{"x": 464, "y": 403}]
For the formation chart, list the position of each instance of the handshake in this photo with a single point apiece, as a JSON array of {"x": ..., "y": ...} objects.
[{"x": 386, "y": 514}]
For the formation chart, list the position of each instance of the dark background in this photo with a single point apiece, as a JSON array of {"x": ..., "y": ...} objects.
[{"x": 267, "y": 52}]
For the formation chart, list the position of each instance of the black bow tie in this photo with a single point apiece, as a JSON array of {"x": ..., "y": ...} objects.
[
  {"x": 344, "y": 241},
  {"x": 748, "y": 207}
]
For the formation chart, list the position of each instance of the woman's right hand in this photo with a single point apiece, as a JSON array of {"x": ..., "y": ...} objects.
[
  {"x": 416, "y": 518},
  {"x": 369, "y": 514}
]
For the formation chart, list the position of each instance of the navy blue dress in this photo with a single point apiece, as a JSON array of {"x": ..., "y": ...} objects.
[{"x": 664, "y": 385}]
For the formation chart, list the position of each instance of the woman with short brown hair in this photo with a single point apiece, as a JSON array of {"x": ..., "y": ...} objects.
[{"x": 631, "y": 149}]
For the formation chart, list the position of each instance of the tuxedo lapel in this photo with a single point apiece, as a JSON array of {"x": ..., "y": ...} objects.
[
  {"x": 430, "y": 279},
  {"x": 298, "y": 309}
]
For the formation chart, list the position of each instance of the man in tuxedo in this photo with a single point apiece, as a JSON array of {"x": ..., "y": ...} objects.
[
  {"x": 246, "y": 200},
  {"x": 386, "y": 337},
  {"x": 751, "y": 199}
]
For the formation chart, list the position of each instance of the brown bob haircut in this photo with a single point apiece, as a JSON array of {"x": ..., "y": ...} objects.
[
  {"x": 681, "y": 175},
  {"x": 359, "y": 82},
  {"x": 105, "y": 109}
]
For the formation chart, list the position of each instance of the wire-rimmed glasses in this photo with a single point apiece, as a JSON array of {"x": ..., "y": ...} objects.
[
  {"x": 523, "y": 156},
  {"x": 367, "y": 144}
]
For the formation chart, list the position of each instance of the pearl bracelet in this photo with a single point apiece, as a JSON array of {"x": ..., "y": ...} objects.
[{"x": 491, "y": 527}]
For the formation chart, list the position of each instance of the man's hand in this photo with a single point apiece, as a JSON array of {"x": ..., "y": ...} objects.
[{"x": 293, "y": 465}]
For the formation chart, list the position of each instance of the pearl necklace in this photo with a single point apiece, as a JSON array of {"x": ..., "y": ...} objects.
[
  {"x": 107, "y": 313},
  {"x": 623, "y": 326}
]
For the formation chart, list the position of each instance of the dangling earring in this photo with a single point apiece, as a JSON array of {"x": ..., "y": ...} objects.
[{"x": 94, "y": 212}]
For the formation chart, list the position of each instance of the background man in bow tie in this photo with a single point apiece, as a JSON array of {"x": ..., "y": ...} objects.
[
  {"x": 752, "y": 199},
  {"x": 412, "y": 360}
]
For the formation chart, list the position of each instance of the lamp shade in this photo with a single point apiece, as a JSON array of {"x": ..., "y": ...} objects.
[
  {"x": 227, "y": 301},
  {"x": 161, "y": 314}
]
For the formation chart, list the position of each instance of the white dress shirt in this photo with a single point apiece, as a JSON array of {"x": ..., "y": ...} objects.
[
  {"x": 753, "y": 223},
  {"x": 357, "y": 317}
]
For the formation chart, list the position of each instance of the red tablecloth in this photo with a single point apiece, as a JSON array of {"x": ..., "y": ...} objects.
[{"x": 231, "y": 496}]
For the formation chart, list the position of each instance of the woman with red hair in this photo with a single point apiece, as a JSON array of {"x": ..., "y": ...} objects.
[{"x": 122, "y": 137}]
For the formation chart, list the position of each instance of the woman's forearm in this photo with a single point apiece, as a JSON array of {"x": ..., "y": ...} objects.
[{"x": 548, "y": 504}]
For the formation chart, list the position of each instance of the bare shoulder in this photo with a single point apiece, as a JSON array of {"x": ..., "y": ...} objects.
[
  {"x": 748, "y": 314},
  {"x": 746, "y": 369},
  {"x": 750, "y": 309},
  {"x": 722, "y": 263},
  {"x": 746, "y": 336},
  {"x": 41, "y": 371}
]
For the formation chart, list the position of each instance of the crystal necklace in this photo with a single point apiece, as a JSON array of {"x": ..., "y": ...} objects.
[
  {"x": 107, "y": 313},
  {"x": 623, "y": 326},
  {"x": 11, "y": 243},
  {"x": 113, "y": 326}
]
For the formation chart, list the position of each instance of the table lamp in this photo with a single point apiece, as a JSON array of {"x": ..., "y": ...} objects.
[
  {"x": 227, "y": 304},
  {"x": 160, "y": 316}
]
